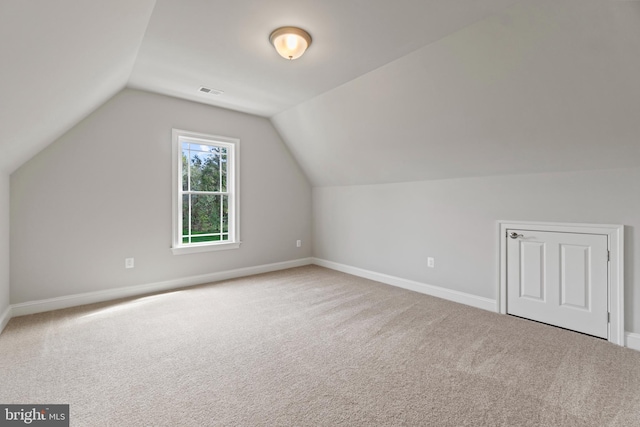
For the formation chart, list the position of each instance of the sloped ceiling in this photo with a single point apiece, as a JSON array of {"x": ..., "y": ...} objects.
[
  {"x": 59, "y": 60},
  {"x": 388, "y": 91},
  {"x": 224, "y": 45},
  {"x": 544, "y": 85}
]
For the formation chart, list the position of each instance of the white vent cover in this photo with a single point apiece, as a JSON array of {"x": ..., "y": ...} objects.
[{"x": 210, "y": 91}]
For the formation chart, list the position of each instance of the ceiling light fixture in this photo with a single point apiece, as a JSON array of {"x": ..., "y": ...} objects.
[{"x": 290, "y": 42}]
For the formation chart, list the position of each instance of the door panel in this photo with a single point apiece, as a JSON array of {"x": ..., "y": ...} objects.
[
  {"x": 559, "y": 278},
  {"x": 532, "y": 270},
  {"x": 575, "y": 283}
]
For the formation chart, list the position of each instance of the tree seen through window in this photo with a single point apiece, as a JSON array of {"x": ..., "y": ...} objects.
[{"x": 205, "y": 200}]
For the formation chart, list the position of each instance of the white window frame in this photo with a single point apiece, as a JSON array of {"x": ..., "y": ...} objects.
[{"x": 233, "y": 188}]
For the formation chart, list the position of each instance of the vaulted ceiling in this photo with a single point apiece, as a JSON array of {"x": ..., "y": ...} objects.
[
  {"x": 390, "y": 90},
  {"x": 59, "y": 61},
  {"x": 225, "y": 45}
]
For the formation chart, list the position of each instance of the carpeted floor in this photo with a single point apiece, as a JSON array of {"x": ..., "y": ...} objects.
[{"x": 312, "y": 347}]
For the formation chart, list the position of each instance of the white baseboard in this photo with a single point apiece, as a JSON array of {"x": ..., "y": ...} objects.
[
  {"x": 4, "y": 318},
  {"x": 632, "y": 340},
  {"x": 50, "y": 304},
  {"x": 436, "y": 291}
]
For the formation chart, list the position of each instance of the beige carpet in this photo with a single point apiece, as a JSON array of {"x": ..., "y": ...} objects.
[{"x": 312, "y": 347}]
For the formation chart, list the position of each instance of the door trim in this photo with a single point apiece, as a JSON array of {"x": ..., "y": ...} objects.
[{"x": 615, "y": 234}]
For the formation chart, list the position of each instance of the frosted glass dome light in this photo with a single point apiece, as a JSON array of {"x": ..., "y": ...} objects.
[{"x": 290, "y": 42}]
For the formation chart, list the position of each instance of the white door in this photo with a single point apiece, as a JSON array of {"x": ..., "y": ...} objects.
[{"x": 559, "y": 278}]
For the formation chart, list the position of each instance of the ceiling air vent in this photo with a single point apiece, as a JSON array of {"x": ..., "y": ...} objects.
[{"x": 210, "y": 91}]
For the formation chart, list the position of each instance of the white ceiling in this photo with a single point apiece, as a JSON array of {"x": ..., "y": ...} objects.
[
  {"x": 225, "y": 45},
  {"x": 60, "y": 60},
  {"x": 390, "y": 90},
  {"x": 543, "y": 86}
]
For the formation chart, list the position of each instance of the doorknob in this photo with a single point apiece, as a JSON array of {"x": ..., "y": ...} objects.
[{"x": 515, "y": 235}]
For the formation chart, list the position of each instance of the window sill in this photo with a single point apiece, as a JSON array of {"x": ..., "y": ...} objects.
[{"x": 193, "y": 249}]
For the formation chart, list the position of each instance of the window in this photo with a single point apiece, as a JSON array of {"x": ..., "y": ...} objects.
[{"x": 205, "y": 195}]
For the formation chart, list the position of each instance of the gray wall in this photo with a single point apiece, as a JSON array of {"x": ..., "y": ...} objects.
[
  {"x": 393, "y": 228},
  {"x": 4, "y": 242},
  {"x": 102, "y": 192}
]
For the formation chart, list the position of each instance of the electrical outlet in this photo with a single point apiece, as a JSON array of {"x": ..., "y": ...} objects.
[
  {"x": 431, "y": 262},
  {"x": 128, "y": 263},
  {"x": 298, "y": 243}
]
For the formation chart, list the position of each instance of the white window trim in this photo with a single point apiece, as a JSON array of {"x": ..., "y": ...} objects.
[{"x": 233, "y": 180}]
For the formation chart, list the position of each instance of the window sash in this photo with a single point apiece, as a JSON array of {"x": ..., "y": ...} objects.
[
  {"x": 227, "y": 226},
  {"x": 220, "y": 227}
]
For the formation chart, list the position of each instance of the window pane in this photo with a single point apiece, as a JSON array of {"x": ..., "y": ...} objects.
[
  {"x": 185, "y": 169},
  {"x": 225, "y": 214},
  {"x": 200, "y": 239},
  {"x": 223, "y": 169},
  {"x": 206, "y": 214},
  {"x": 185, "y": 215},
  {"x": 204, "y": 167}
]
